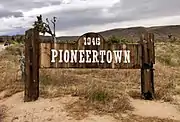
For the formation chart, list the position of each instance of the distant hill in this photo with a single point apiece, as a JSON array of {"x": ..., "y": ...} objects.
[
  {"x": 133, "y": 33},
  {"x": 161, "y": 33}
]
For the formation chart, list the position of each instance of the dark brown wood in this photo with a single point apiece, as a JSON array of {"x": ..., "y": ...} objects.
[
  {"x": 28, "y": 61},
  {"x": 35, "y": 64},
  {"x": 31, "y": 65},
  {"x": 147, "y": 71},
  {"x": 152, "y": 61},
  {"x": 142, "y": 65}
]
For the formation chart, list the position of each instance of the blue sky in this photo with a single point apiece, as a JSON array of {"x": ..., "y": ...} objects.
[{"x": 76, "y": 17}]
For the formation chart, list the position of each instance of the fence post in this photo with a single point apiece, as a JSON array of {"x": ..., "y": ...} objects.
[
  {"x": 147, "y": 71},
  {"x": 31, "y": 65}
]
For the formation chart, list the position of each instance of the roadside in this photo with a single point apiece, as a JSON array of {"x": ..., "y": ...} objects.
[{"x": 2, "y": 47}]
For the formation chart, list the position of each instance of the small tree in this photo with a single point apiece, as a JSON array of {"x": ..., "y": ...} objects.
[
  {"x": 115, "y": 39},
  {"x": 44, "y": 27}
]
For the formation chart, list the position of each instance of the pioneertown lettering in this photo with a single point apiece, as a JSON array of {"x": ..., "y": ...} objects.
[{"x": 90, "y": 56}]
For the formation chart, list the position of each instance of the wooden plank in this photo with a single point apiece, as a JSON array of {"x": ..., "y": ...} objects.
[
  {"x": 56, "y": 47},
  {"x": 31, "y": 65},
  {"x": 35, "y": 65},
  {"x": 28, "y": 67},
  {"x": 113, "y": 47},
  {"x": 107, "y": 47},
  {"x": 130, "y": 47},
  {"x": 53, "y": 65},
  {"x": 135, "y": 56},
  {"x": 148, "y": 83},
  {"x": 147, "y": 77},
  {"x": 151, "y": 47},
  {"x": 72, "y": 47},
  {"x": 60, "y": 47},
  {"x": 66, "y": 47},
  {"x": 81, "y": 47},
  {"x": 45, "y": 53},
  {"x": 152, "y": 81},
  {"x": 139, "y": 55}
]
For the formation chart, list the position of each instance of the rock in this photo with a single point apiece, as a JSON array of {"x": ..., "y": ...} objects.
[{"x": 14, "y": 118}]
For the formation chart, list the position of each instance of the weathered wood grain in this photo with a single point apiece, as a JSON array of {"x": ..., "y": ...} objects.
[{"x": 31, "y": 65}]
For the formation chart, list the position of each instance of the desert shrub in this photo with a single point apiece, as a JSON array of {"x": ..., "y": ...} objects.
[
  {"x": 100, "y": 99},
  {"x": 164, "y": 92},
  {"x": 14, "y": 50},
  {"x": 168, "y": 53},
  {"x": 115, "y": 39},
  {"x": 94, "y": 92},
  {"x": 19, "y": 39},
  {"x": 10, "y": 78}
]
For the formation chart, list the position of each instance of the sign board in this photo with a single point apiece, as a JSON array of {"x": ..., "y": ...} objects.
[{"x": 91, "y": 50}]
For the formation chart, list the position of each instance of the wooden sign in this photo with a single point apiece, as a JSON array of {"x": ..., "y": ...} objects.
[{"x": 91, "y": 50}]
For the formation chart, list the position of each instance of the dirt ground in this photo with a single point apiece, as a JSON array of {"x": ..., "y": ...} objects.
[
  {"x": 44, "y": 110},
  {"x": 156, "y": 109},
  {"x": 52, "y": 110}
]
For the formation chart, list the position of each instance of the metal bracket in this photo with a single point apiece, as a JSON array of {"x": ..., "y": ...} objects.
[{"x": 148, "y": 66}]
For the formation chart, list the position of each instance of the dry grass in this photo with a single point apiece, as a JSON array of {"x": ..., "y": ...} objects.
[
  {"x": 3, "y": 110},
  {"x": 168, "y": 53},
  {"x": 99, "y": 99},
  {"x": 136, "y": 94},
  {"x": 96, "y": 92},
  {"x": 166, "y": 82},
  {"x": 54, "y": 83},
  {"x": 9, "y": 71}
]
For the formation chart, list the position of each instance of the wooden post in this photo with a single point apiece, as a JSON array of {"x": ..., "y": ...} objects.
[
  {"x": 147, "y": 71},
  {"x": 31, "y": 65}
]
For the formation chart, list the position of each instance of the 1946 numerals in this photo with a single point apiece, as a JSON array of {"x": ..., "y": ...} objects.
[{"x": 92, "y": 41}]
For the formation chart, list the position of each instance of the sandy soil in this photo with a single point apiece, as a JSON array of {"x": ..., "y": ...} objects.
[
  {"x": 155, "y": 109},
  {"x": 52, "y": 110},
  {"x": 44, "y": 110}
]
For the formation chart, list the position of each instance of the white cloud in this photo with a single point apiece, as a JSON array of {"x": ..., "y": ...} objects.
[
  {"x": 76, "y": 17},
  {"x": 171, "y": 20},
  {"x": 74, "y": 5},
  {"x": 11, "y": 23}
]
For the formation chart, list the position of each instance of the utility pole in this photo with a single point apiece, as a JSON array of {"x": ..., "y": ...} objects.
[{"x": 54, "y": 26}]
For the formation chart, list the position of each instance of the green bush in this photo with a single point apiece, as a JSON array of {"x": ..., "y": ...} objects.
[{"x": 115, "y": 39}]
